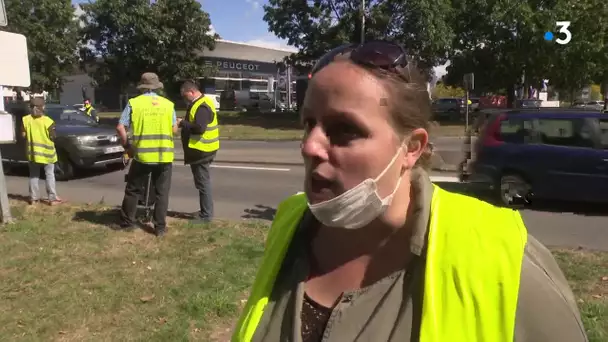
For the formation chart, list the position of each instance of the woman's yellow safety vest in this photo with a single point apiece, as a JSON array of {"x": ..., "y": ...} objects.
[
  {"x": 209, "y": 141},
  {"x": 152, "y": 125},
  {"x": 473, "y": 266},
  {"x": 40, "y": 147}
]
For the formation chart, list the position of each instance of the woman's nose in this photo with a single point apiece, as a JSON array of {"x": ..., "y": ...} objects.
[{"x": 314, "y": 144}]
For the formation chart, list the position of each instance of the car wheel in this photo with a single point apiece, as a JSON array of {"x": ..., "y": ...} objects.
[
  {"x": 515, "y": 191},
  {"x": 64, "y": 169}
]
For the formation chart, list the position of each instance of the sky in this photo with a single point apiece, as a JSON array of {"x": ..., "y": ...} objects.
[{"x": 242, "y": 21}]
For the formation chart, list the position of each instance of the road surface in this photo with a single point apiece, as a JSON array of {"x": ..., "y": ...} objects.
[
  {"x": 450, "y": 149},
  {"x": 249, "y": 191}
]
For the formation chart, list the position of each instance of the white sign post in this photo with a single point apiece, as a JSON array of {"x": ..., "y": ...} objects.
[{"x": 14, "y": 72}]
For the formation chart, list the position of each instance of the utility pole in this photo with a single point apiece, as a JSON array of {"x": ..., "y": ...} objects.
[{"x": 362, "y": 21}]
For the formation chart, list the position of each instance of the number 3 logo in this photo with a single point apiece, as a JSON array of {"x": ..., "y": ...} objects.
[{"x": 563, "y": 29}]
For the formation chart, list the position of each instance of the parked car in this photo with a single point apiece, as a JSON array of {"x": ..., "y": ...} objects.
[
  {"x": 549, "y": 154},
  {"x": 245, "y": 100},
  {"x": 588, "y": 105},
  {"x": 528, "y": 103},
  {"x": 450, "y": 108},
  {"x": 81, "y": 142}
]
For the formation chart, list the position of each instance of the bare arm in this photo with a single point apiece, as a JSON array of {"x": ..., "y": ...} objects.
[
  {"x": 121, "y": 130},
  {"x": 52, "y": 132}
]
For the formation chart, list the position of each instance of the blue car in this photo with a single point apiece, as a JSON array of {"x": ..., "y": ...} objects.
[{"x": 549, "y": 154}]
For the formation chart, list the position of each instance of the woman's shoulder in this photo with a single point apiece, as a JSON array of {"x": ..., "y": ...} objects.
[{"x": 546, "y": 305}]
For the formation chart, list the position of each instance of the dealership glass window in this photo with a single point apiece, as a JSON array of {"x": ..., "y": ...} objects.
[
  {"x": 246, "y": 84},
  {"x": 259, "y": 86},
  {"x": 235, "y": 85},
  {"x": 220, "y": 84},
  {"x": 234, "y": 74}
]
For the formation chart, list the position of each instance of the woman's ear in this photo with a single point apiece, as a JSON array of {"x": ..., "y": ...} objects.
[{"x": 417, "y": 143}]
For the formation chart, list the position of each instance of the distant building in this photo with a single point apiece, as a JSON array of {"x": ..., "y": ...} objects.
[{"x": 240, "y": 66}]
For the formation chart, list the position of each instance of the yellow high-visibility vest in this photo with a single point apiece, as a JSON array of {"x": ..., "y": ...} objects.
[
  {"x": 209, "y": 141},
  {"x": 40, "y": 147},
  {"x": 152, "y": 126},
  {"x": 467, "y": 298}
]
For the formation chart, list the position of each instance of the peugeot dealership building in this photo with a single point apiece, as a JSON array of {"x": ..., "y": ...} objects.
[{"x": 238, "y": 66}]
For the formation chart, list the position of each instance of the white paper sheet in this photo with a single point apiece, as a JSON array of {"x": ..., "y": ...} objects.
[{"x": 7, "y": 129}]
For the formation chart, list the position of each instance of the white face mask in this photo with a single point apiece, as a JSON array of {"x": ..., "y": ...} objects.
[{"x": 356, "y": 207}]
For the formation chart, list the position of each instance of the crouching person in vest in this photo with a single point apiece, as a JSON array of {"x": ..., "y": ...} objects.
[
  {"x": 38, "y": 130},
  {"x": 373, "y": 251},
  {"x": 153, "y": 124}
]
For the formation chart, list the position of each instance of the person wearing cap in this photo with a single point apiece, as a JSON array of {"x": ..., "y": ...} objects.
[
  {"x": 153, "y": 123},
  {"x": 372, "y": 250},
  {"x": 89, "y": 110},
  {"x": 38, "y": 130},
  {"x": 201, "y": 141}
]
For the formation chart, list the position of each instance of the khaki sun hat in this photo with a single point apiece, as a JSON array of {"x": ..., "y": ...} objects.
[{"x": 149, "y": 80}]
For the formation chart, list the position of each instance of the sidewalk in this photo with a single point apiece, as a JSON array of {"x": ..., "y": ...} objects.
[{"x": 287, "y": 157}]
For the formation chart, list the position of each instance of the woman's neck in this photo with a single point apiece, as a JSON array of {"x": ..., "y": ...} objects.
[{"x": 376, "y": 250}]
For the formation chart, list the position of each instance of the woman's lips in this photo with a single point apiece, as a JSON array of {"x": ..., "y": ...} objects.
[{"x": 319, "y": 188}]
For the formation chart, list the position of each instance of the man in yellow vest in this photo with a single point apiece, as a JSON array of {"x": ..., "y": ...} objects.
[
  {"x": 38, "y": 130},
  {"x": 89, "y": 110},
  {"x": 152, "y": 121},
  {"x": 201, "y": 140}
]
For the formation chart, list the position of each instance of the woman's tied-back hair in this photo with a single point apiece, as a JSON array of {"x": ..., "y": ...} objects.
[{"x": 409, "y": 103}]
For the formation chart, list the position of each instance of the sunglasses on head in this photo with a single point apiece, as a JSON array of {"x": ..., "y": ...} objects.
[{"x": 376, "y": 54}]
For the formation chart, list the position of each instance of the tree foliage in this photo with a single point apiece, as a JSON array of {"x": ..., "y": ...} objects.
[
  {"x": 502, "y": 41},
  {"x": 127, "y": 38},
  {"x": 52, "y": 38},
  {"x": 314, "y": 27}
]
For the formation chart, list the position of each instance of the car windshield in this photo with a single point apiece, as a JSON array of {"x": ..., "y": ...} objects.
[{"x": 68, "y": 116}]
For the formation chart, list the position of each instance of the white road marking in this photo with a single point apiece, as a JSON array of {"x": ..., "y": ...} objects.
[
  {"x": 253, "y": 168},
  {"x": 445, "y": 179}
]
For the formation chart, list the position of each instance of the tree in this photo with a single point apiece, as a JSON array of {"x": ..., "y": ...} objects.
[
  {"x": 127, "y": 38},
  {"x": 52, "y": 38},
  {"x": 315, "y": 27},
  {"x": 503, "y": 42}
]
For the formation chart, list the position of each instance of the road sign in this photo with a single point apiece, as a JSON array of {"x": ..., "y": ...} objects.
[
  {"x": 14, "y": 62},
  {"x": 469, "y": 81},
  {"x": 3, "y": 21}
]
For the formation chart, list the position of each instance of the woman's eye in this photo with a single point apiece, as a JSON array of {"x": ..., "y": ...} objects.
[{"x": 342, "y": 134}]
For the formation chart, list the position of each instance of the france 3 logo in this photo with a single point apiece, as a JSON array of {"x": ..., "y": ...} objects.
[{"x": 564, "y": 35}]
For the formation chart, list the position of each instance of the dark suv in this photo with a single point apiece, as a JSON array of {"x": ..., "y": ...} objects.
[
  {"x": 81, "y": 142},
  {"x": 552, "y": 154}
]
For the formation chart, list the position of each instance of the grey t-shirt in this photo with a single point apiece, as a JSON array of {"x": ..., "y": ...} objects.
[{"x": 390, "y": 309}]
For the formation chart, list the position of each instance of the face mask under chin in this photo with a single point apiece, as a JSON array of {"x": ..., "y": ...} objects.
[{"x": 358, "y": 206}]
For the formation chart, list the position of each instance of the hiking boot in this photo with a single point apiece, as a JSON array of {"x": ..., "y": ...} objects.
[{"x": 32, "y": 202}]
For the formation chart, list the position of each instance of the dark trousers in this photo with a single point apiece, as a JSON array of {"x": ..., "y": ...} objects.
[
  {"x": 136, "y": 182},
  {"x": 202, "y": 182}
]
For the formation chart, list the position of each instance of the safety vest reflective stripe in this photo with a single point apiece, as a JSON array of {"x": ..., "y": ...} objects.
[
  {"x": 152, "y": 128},
  {"x": 209, "y": 141},
  {"x": 39, "y": 146},
  {"x": 466, "y": 298}
]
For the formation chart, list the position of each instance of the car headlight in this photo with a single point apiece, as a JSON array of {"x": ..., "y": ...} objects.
[{"x": 86, "y": 139}]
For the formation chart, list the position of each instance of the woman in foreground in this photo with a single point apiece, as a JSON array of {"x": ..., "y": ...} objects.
[{"x": 373, "y": 251}]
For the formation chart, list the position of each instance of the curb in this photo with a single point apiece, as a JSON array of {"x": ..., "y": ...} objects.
[{"x": 442, "y": 168}]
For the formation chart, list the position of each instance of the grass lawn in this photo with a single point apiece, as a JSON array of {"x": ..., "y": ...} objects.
[
  {"x": 66, "y": 277},
  {"x": 273, "y": 126}
]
